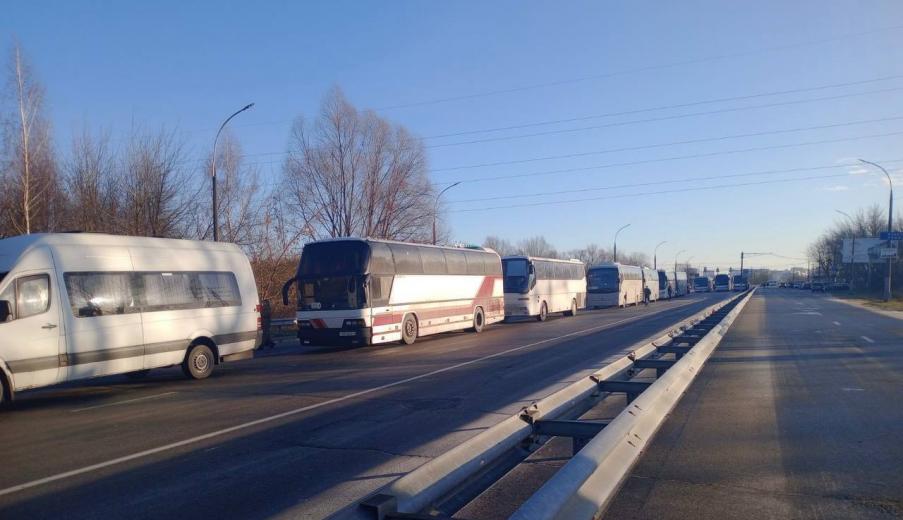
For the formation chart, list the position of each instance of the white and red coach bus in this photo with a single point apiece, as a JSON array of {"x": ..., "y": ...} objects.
[{"x": 365, "y": 291}]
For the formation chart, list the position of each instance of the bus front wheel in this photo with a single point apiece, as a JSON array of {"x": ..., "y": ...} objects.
[
  {"x": 478, "y": 320},
  {"x": 573, "y": 311},
  {"x": 543, "y": 312},
  {"x": 409, "y": 330}
]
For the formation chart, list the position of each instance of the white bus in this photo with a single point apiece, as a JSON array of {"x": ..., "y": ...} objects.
[
  {"x": 536, "y": 287},
  {"x": 702, "y": 284},
  {"x": 611, "y": 284},
  {"x": 665, "y": 284},
  {"x": 356, "y": 291},
  {"x": 681, "y": 287},
  {"x": 650, "y": 280},
  {"x": 76, "y": 306},
  {"x": 723, "y": 282}
]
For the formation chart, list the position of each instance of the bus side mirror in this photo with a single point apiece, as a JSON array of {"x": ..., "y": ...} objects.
[
  {"x": 285, "y": 289},
  {"x": 5, "y": 311}
]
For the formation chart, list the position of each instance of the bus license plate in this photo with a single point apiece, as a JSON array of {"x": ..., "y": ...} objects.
[{"x": 348, "y": 333}]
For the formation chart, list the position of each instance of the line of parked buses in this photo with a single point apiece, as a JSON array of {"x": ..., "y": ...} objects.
[{"x": 82, "y": 305}]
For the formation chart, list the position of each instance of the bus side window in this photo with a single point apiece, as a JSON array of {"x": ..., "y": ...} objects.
[{"x": 380, "y": 290}]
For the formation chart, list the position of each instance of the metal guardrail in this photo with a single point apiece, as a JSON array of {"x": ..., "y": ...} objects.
[{"x": 431, "y": 482}]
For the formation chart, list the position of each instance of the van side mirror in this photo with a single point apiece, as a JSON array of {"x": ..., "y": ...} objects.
[
  {"x": 286, "y": 287},
  {"x": 5, "y": 311}
]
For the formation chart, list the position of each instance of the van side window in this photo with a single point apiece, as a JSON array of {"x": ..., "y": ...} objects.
[
  {"x": 99, "y": 294},
  {"x": 32, "y": 295}
]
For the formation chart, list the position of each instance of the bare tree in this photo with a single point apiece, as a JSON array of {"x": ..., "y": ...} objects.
[
  {"x": 156, "y": 197},
  {"x": 241, "y": 206},
  {"x": 91, "y": 185},
  {"x": 353, "y": 174},
  {"x": 537, "y": 246},
  {"x": 592, "y": 254},
  {"x": 500, "y": 245},
  {"x": 32, "y": 196}
]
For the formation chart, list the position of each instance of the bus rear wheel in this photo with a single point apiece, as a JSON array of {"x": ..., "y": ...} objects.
[
  {"x": 478, "y": 320},
  {"x": 199, "y": 362},
  {"x": 409, "y": 330},
  {"x": 543, "y": 312},
  {"x": 573, "y": 311}
]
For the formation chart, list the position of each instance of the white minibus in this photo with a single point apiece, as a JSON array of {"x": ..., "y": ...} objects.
[
  {"x": 354, "y": 291},
  {"x": 611, "y": 284},
  {"x": 82, "y": 305},
  {"x": 536, "y": 287}
]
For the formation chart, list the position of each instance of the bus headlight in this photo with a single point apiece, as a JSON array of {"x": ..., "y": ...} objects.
[{"x": 354, "y": 324}]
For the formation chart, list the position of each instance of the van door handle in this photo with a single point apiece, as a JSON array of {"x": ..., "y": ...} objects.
[{"x": 49, "y": 326}]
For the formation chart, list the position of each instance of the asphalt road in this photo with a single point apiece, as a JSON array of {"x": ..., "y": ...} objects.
[
  {"x": 295, "y": 433},
  {"x": 798, "y": 414}
]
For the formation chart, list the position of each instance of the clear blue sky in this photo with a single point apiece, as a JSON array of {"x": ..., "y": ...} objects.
[{"x": 187, "y": 65}]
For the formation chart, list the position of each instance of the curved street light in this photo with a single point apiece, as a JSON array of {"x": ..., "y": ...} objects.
[
  {"x": 622, "y": 228},
  {"x": 890, "y": 225},
  {"x": 655, "y": 254},
  {"x": 215, "y": 213},
  {"x": 436, "y": 208}
]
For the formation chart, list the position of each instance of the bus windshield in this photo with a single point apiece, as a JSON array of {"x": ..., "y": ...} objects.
[
  {"x": 602, "y": 280},
  {"x": 331, "y": 276},
  {"x": 662, "y": 280},
  {"x": 2, "y": 276},
  {"x": 722, "y": 279},
  {"x": 516, "y": 273},
  {"x": 701, "y": 281}
]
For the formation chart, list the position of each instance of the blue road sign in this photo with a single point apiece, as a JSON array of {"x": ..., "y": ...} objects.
[{"x": 891, "y": 235}]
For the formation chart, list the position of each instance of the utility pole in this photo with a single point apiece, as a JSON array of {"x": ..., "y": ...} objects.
[
  {"x": 215, "y": 212},
  {"x": 615, "y": 252},
  {"x": 655, "y": 254},
  {"x": 890, "y": 227},
  {"x": 436, "y": 208}
]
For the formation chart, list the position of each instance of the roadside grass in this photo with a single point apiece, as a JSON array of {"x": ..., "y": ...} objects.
[{"x": 872, "y": 300}]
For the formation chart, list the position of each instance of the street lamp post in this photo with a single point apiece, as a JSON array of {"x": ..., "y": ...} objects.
[
  {"x": 655, "y": 254},
  {"x": 436, "y": 209},
  {"x": 622, "y": 228},
  {"x": 852, "y": 244},
  {"x": 215, "y": 212},
  {"x": 890, "y": 225}
]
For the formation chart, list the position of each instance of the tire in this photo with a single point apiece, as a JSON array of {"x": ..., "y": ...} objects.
[
  {"x": 543, "y": 312},
  {"x": 199, "y": 362},
  {"x": 3, "y": 398},
  {"x": 573, "y": 311},
  {"x": 140, "y": 374},
  {"x": 479, "y": 320},
  {"x": 409, "y": 330}
]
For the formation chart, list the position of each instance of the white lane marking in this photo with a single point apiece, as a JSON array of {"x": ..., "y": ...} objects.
[
  {"x": 837, "y": 323},
  {"x": 117, "y": 403},
  {"x": 296, "y": 411},
  {"x": 870, "y": 340}
]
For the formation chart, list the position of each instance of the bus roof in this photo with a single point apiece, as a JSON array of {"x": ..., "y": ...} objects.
[
  {"x": 526, "y": 257},
  {"x": 613, "y": 265},
  {"x": 384, "y": 241},
  {"x": 24, "y": 242}
]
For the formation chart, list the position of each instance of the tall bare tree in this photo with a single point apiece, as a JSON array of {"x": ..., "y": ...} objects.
[
  {"x": 91, "y": 185},
  {"x": 157, "y": 197},
  {"x": 32, "y": 197},
  {"x": 240, "y": 205},
  {"x": 355, "y": 174}
]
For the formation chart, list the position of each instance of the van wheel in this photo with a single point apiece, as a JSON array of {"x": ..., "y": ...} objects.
[
  {"x": 199, "y": 362},
  {"x": 140, "y": 374},
  {"x": 478, "y": 320},
  {"x": 409, "y": 330},
  {"x": 543, "y": 312},
  {"x": 573, "y": 311}
]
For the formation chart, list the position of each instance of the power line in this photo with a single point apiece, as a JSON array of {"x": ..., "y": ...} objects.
[
  {"x": 655, "y": 183},
  {"x": 639, "y": 69},
  {"x": 662, "y": 118},
  {"x": 673, "y": 143},
  {"x": 661, "y": 192}
]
